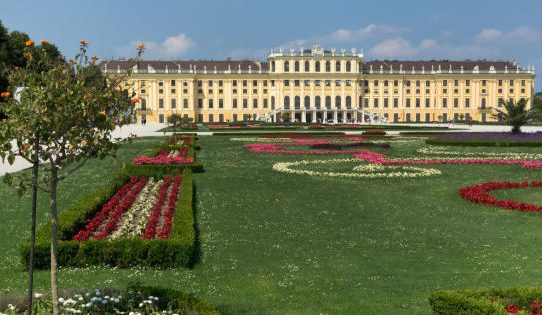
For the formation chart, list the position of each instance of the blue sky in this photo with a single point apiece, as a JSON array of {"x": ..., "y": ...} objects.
[{"x": 249, "y": 29}]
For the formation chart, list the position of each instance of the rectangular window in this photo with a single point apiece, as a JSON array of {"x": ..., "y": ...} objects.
[
  {"x": 173, "y": 91},
  {"x": 375, "y": 102},
  {"x": 173, "y": 103},
  {"x": 245, "y": 91},
  {"x": 160, "y": 83},
  {"x": 444, "y": 82},
  {"x": 386, "y": 100},
  {"x": 500, "y": 82},
  {"x": 348, "y": 83},
  {"x": 185, "y": 83},
  {"x": 200, "y": 118},
  {"x": 220, "y": 117},
  {"x": 220, "y": 83},
  {"x": 296, "y": 83},
  {"x": 255, "y": 91},
  {"x": 417, "y": 103},
  {"x": 265, "y": 103},
  {"x": 160, "y": 91},
  {"x": 234, "y": 117},
  {"x": 467, "y": 102},
  {"x": 385, "y": 82},
  {"x": 511, "y": 82},
  {"x": 467, "y": 82},
  {"x": 234, "y": 82},
  {"x": 200, "y": 103},
  {"x": 427, "y": 117},
  {"x": 395, "y": 103},
  {"x": 418, "y": 118},
  {"x": 200, "y": 83},
  {"x": 522, "y": 82},
  {"x": 427, "y": 83},
  {"x": 456, "y": 82},
  {"x": 185, "y": 103},
  {"x": 245, "y": 103},
  {"x": 408, "y": 102},
  {"x": 366, "y": 103},
  {"x": 172, "y": 83},
  {"x": 211, "y": 103},
  {"x": 264, "y": 82},
  {"x": 375, "y": 82},
  {"x": 160, "y": 103},
  {"x": 456, "y": 102},
  {"x": 220, "y": 103},
  {"x": 245, "y": 82},
  {"x": 255, "y": 103},
  {"x": 286, "y": 82},
  {"x": 328, "y": 82},
  {"x": 254, "y": 82},
  {"x": 337, "y": 82},
  {"x": 407, "y": 82},
  {"x": 396, "y": 83},
  {"x": 427, "y": 102},
  {"x": 418, "y": 83},
  {"x": 408, "y": 117},
  {"x": 483, "y": 82},
  {"x": 444, "y": 102},
  {"x": 316, "y": 82},
  {"x": 161, "y": 118},
  {"x": 234, "y": 103},
  {"x": 185, "y": 91},
  {"x": 211, "y": 118}
]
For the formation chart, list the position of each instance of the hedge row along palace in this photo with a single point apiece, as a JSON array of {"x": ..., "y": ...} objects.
[{"x": 317, "y": 85}]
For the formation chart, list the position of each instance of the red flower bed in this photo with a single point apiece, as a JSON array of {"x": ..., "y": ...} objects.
[
  {"x": 110, "y": 213},
  {"x": 479, "y": 194},
  {"x": 164, "y": 158},
  {"x": 168, "y": 216}
]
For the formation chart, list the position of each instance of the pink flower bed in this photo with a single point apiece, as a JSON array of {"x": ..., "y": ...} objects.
[
  {"x": 164, "y": 157},
  {"x": 273, "y": 148}
]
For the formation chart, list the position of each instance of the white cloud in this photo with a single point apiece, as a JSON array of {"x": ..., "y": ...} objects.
[
  {"x": 519, "y": 34},
  {"x": 346, "y": 36},
  {"x": 523, "y": 34},
  {"x": 172, "y": 46},
  {"x": 429, "y": 48},
  {"x": 489, "y": 35}
]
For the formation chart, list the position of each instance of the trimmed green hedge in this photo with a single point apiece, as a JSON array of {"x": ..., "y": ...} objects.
[
  {"x": 177, "y": 250},
  {"x": 483, "y": 301},
  {"x": 420, "y": 133},
  {"x": 312, "y": 132},
  {"x": 482, "y": 143}
]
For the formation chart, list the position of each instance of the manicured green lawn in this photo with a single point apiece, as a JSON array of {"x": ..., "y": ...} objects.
[{"x": 275, "y": 243}]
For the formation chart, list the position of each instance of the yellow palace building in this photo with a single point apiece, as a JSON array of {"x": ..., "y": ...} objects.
[{"x": 317, "y": 85}]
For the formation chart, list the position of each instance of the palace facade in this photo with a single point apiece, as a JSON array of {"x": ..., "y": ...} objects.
[{"x": 317, "y": 85}]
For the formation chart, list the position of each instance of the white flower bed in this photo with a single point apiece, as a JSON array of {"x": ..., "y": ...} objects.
[
  {"x": 361, "y": 171},
  {"x": 134, "y": 220}
]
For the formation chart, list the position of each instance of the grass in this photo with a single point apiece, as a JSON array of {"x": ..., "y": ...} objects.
[{"x": 275, "y": 243}]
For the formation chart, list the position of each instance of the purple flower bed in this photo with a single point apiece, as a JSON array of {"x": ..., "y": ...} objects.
[{"x": 488, "y": 138}]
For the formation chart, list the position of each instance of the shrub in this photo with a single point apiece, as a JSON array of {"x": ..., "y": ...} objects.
[
  {"x": 177, "y": 250},
  {"x": 374, "y": 132}
]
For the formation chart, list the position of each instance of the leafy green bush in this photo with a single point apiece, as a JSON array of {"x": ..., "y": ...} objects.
[
  {"x": 482, "y": 301},
  {"x": 177, "y": 250}
]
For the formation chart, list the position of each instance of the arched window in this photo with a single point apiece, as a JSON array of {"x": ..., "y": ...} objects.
[
  {"x": 348, "y": 102},
  {"x": 328, "y": 102},
  {"x": 297, "y": 102},
  {"x": 296, "y": 66},
  {"x": 286, "y": 66},
  {"x": 337, "y": 66},
  {"x": 328, "y": 66},
  {"x": 307, "y": 102},
  {"x": 348, "y": 67},
  {"x": 143, "y": 104},
  {"x": 272, "y": 102},
  {"x": 317, "y": 102},
  {"x": 273, "y": 66},
  {"x": 337, "y": 101},
  {"x": 307, "y": 66},
  {"x": 286, "y": 102},
  {"x": 317, "y": 66}
]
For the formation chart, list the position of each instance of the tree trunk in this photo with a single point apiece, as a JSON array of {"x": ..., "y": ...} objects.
[
  {"x": 35, "y": 171},
  {"x": 54, "y": 240}
]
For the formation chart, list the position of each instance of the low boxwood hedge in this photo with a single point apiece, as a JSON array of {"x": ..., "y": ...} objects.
[
  {"x": 177, "y": 250},
  {"x": 482, "y": 301},
  {"x": 483, "y": 143}
]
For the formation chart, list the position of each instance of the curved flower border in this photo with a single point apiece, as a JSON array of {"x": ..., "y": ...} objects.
[
  {"x": 376, "y": 171},
  {"x": 480, "y": 194}
]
